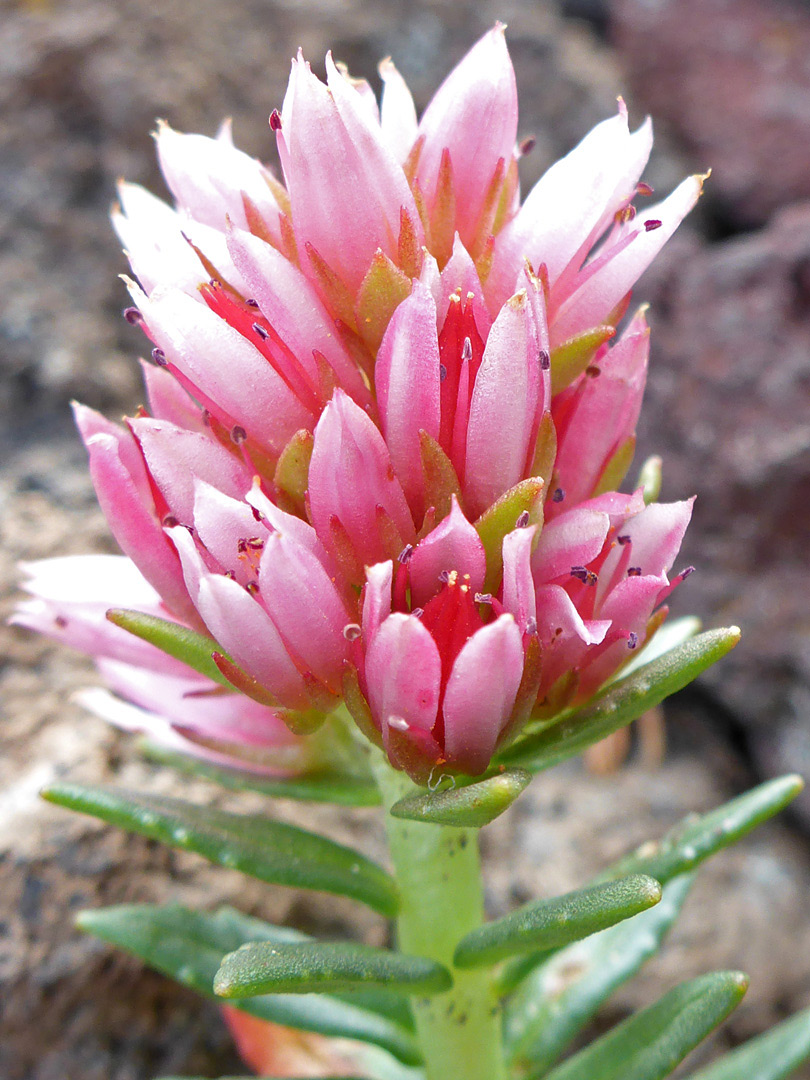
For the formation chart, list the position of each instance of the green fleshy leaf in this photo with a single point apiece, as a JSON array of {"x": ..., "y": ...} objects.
[
  {"x": 772, "y": 1056},
  {"x": 548, "y": 924},
  {"x": 310, "y": 787},
  {"x": 465, "y": 807},
  {"x": 561, "y": 995},
  {"x": 501, "y": 518},
  {"x": 653, "y": 1042},
  {"x": 649, "y": 478},
  {"x": 188, "y": 946},
  {"x": 268, "y": 850},
  {"x": 178, "y": 641},
  {"x": 621, "y": 703},
  {"x": 570, "y": 359},
  {"x": 695, "y": 838},
  {"x": 262, "y": 967}
]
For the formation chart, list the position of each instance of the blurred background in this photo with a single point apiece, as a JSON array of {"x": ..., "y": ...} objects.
[{"x": 728, "y": 407}]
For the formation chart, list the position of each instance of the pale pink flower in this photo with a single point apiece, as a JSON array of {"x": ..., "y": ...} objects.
[{"x": 374, "y": 378}]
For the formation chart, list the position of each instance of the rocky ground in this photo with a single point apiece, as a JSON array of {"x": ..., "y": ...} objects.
[{"x": 81, "y": 83}]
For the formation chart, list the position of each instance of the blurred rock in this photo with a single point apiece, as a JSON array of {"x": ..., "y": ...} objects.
[
  {"x": 728, "y": 406},
  {"x": 731, "y": 79}
]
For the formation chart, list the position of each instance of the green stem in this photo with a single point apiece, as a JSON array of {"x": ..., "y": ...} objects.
[{"x": 438, "y": 871}]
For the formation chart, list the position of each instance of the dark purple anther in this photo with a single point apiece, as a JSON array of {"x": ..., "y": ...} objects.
[
  {"x": 238, "y": 434},
  {"x": 260, "y": 330},
  {"x": 251, "y": 302},
  {"x": 623, "y": 539},
  {"x": 159, "y": 356},
  {"x": 545, "y": 360},
  {"x": 634, "y": 571},
  {"x": 466, "y": 349},
  {"x": 442, "y": 372},
  {"x": 523, "y": 519},
  {"x": 132, "y": 315},
  {"x": 406, "y": 554},
  {"x": 557, "y": 495},
  {"x": 632, "y": 640},
  {"x": 275, "y": 120},
  {"x": 352, "y": 631},
  {"x": 652, "y": 223}
]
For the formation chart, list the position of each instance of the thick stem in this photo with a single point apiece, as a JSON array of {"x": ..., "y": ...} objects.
[{"x": 438, "y": 871}]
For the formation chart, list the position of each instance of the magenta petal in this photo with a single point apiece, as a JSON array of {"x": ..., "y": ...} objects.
[
  {"x": 208, "y": 177},
  {"x": 453, "y": 545},
  {"x": 574, "y": 538},
  {"x": 518, "y": 583},
  {"x": 376, "y": 598},
  {"x": 480, "y": 694},
  {"x": 586, "y": 188},
  {"x": 503, "y": 408},
  {"x": 346, "y": 187},
  {"x": 474, "y": 115},
  {"x": 350, "y": 477},
  {"x": 403, "y": 673},
  {"x": 229, "y": 531},
  {"x": 604, "y": 288},
  {"x": 598, "y": 414},
  {"x": 294, "y": 309},
  {"x": 305, "y": 606},
  {"x": 134, "y": 524},
  {"x": 407, "y": 380},
  {"x": 397, "y": 112},
  {"x": 177, "y": 458},
  {"x": 229, "y": 371}
]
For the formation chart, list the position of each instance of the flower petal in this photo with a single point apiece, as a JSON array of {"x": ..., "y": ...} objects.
[{"x": 403, "y": 673}]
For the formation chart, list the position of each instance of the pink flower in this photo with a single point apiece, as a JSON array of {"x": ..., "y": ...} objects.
[{"x": 369, "y": 375}]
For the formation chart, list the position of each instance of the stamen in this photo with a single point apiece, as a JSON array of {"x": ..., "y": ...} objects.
[
  {"x": 634, "y": 571},
  {"x": 652, "y": 223},
  {"x": 418, "y": 612},
  {"x": 252, "y": 303},
  {"x": 466, "y": 349},
  {"x": 643, "y": 188},
  {"x": 632, "y": 640},
  {"x": 525, "y": 146},
  {"x": 583, "y": 574},
  {"x": 593, "y": 371},
  {"x": 252, "y": 587},
  {"x": 442, "y": 372},
  {"x": 523, "y": 519},
  {"x": 444, "y": 577},
  {"x": 406, "y": 554},
  {"x": 352, "y": 631},
  {"x": 483, "y": 598},
  {"x": 159, "y": 356},
  {"x": 545, "y": 360},
  {"x": 275, "y": 120},
  {"x": 238, "y": 434},
  {"x": 60, "y": 621},
  {"x": 623, "y": 539},
  {"x": 557, "y": 495},
  {"x": 231, "y": 574},
  {"x": 170, "y": 521},
  {"x": 260, "y": 330},
  {"x": 531, "y": 625},
  {"x": 132, "y": 315}
]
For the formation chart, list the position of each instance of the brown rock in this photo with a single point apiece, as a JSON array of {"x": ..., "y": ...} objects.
[{"x": 730, "y": 78}]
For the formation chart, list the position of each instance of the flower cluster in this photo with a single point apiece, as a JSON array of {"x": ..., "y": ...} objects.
[{"x": 387, "y": 412}]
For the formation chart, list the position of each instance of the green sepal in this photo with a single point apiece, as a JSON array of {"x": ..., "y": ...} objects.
[
  {"x": 621, "y": 703},
  {"x": 616, "y": 467},
  {"x": 271, "y": 851},
  {"x": 649, "y": 478},
  {"x": 309, "y": 787},
  {"x": 572, "y": 357},
  {"x": 465, "y": 807},
  {"x": 178, "y": 641},
  {"x": 441, "y": 479},
  {"x": 772, "y": 1056},
  {"x": 262, "y": 967},
  {"x": 381, "y": 292},
  {"x": 549, "y": 924},
  {"x": 292, "y": 470},
  {"x": 501, "y": 518},
  {"x": 695, "y": 838},
  {"x": 653, "y": 1042},
  {"x": 188, "y": 946},
  {"x": 561, "y": 994}
]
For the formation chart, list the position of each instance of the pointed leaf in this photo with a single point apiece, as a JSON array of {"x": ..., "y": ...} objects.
[
  {"x": 178, "y": 641},
  {"x": 501, "y": 518},
  {"x": 772, "y": 1056},
  {"x": 561, "y": 995},
  {"x": 696, "y": 838},
  {"x": 262, "y": 967},
  {"x": 189, "y": 945},
  {"x": 268, "y": 850},
  {"x": 465, "y": 807},
  {"x": 623, "y": 702},
  {"x": 570, "y": 359},
  {"x": 309, "y": 787},
  {"x": 650, "y": 1044},
  {"x": 548, "y": 924}
]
